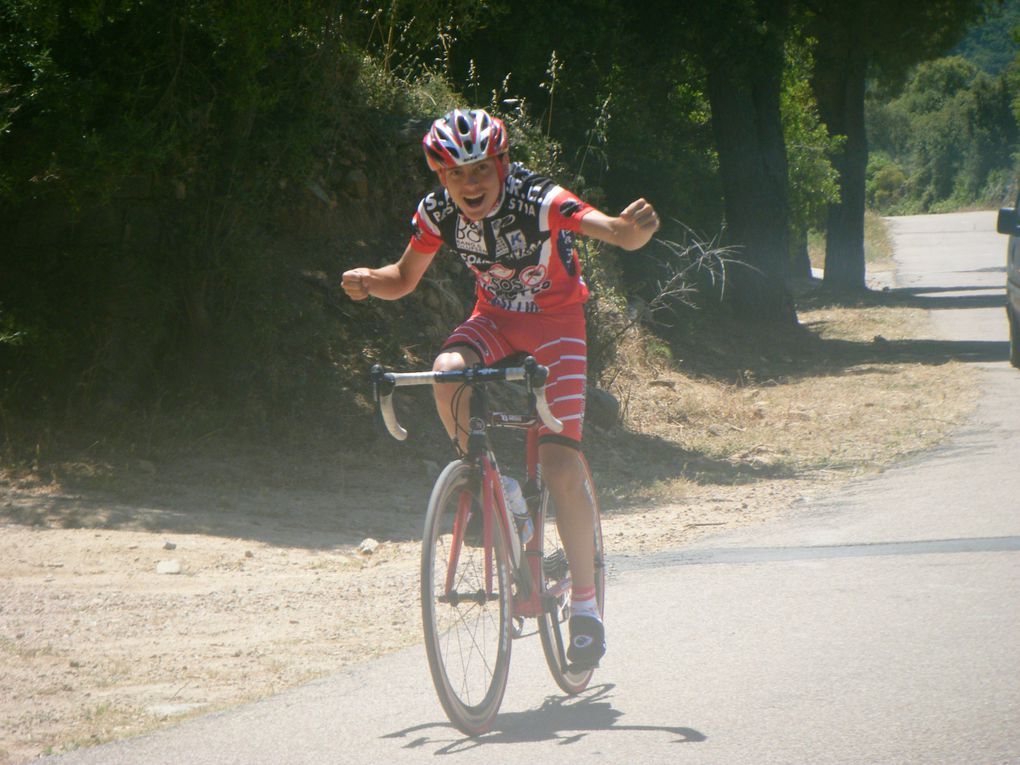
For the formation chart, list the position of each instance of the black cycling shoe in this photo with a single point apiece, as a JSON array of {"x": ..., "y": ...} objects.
[{"x": 587, "y": 643}]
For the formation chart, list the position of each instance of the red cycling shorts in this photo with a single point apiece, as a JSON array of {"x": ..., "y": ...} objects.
[{"x": 557, "y": 340}]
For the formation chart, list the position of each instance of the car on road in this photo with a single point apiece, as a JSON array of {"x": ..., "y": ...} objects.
[{"x": 1009, "y": 223}]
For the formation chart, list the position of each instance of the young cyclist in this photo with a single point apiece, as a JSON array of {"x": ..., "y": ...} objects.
[{"x": 515, "y": 230}]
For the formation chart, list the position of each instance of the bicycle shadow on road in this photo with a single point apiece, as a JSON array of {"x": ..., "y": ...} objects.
[{"x": 565, "y": 720}]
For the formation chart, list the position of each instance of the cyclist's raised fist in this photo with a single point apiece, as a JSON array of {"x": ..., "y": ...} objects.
[{"x": 355, "y": 283}]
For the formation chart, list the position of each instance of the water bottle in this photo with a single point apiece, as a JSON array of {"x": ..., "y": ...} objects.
[{"x": 516, "y": 504}]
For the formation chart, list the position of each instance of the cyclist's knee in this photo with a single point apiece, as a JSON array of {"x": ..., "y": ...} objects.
[
  {"x": 561, "y": 467},
  {"x": 452, "y": 359}
]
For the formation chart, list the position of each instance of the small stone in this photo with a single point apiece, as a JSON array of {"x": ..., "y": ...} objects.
[
  {"x": 249, "y": 554},
  {"x": 172, "y": 710},
  {"x": 368, "y": 546},
  {"x": 603, "y": 408},
  {"x": 168, "y": 567},
  {"x": 169, "y": 546}
]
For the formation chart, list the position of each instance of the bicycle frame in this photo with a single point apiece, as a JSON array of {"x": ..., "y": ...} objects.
[
  {"x": 529, "y": 601},
  {"x": 525, "y": 565}
]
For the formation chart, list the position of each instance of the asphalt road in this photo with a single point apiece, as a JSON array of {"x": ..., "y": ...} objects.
[{"x": 880, "y": 624}]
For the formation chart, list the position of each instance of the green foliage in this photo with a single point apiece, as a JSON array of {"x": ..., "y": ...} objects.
[
  {"x": 408, "y": 38},
  {"x": 162, "y": 163},
  {"x": 1011, "y": 77},
  {"x": 814, "y": 182},
  {"x": 989, "y": 45},
  {"x": 182, "y": 185},
  {"x": 627, "y": 101},
  {"x": 886, "y": 183},
  {"x": 945, "y": 142}
]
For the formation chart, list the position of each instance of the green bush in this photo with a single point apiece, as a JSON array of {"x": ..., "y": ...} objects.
[
  {"x": 886, "y": 184},
  {"x": 950, "y": 133},
  {"x": 185, "y": 184}
]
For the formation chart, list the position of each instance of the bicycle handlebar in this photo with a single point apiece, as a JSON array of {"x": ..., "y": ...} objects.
[{"x": 530, "y": 371}]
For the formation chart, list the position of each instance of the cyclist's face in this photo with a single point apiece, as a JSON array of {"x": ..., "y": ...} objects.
[{"x": 475, "y": 188}]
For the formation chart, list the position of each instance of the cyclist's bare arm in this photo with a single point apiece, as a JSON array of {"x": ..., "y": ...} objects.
[
  {"x": 631, "y": 229},
  {"x": 389, "y": 282}
]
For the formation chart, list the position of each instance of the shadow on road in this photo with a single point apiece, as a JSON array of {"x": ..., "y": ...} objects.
[
  {"x": 939, "y": 298},
  {"x": 563, "y": 719}
]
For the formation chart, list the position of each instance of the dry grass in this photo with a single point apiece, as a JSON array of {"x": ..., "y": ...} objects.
[
  {"x": 878, "y": 250},
  {"x": 851, "y": 391}
]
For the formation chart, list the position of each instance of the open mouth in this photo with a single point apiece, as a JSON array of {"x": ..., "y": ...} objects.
[{"x": 474, "y": 202}]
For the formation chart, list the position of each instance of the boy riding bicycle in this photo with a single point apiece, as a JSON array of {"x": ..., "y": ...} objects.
[{"x": 515, "y": 230}]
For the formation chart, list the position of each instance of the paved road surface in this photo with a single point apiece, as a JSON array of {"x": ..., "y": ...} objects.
[{"x": 879, "y": 625}]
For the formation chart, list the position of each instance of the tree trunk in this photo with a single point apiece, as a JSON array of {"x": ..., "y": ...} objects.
[
  {"x": 800, "y": 259},
  {"x": 839, "y": 86},
  {"x": 752, "y": 164}
]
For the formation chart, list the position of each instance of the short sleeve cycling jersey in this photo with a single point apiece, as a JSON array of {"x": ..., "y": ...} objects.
[{"x": 522, "y": 253}]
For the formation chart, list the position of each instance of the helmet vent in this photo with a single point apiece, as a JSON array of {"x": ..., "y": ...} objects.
[{"x": 464, "y": 136}]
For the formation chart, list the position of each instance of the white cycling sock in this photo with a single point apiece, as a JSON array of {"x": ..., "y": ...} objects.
[{"x": 583, "y": 603}]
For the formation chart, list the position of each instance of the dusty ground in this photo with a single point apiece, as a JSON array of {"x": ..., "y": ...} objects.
[{"x": 137, "y": 592}]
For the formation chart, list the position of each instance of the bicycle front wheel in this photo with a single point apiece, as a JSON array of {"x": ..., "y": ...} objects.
[
  {"x": 556, "y": 611},
  {"x": 465, "y": 613}
]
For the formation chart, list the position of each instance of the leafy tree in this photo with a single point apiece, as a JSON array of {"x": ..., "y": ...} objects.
[
  {"x": 666, "y": 83},
  {"x": 741, "y": 45},
  {"x": 198, "y": 113},
  {"x": 624, "y": 99},
  {"x": 814, "y": 183},
  {"x": 1011, "y": 78},
  {"x": 855, "y": 36},
  {"x": 952, "y": 131},
  {"x": 988, "y": 44}
]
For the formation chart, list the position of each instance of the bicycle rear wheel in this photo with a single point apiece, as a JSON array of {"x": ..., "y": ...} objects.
[
  {"x": 467, "y": 624},
  {"x": 556, "y": 612}
]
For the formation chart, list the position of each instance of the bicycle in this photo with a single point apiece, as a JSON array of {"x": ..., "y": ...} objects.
[{"x": 477, "y": 593}]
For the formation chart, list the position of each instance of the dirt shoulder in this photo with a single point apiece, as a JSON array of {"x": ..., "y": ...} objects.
[{"x": 139, "y": 591}]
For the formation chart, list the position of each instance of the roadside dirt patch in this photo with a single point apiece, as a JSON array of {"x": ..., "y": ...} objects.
[{"x": 135, "y": 592}]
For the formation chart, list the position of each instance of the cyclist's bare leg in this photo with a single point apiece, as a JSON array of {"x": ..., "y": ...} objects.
[
  {"x": 453, "y": 358},
  {"x": 564, "y": 475}
]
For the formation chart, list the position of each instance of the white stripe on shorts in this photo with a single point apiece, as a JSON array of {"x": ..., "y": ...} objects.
[
  {"x": 561, "y": 340},
  {"x": 568, "y": 398},
  {"x": 566, "y": 377}
]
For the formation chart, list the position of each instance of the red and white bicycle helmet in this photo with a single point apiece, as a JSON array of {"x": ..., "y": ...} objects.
[{"x": 463, "y": 136}]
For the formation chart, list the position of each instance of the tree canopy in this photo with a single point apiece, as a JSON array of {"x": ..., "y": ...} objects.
[{"x": 173, "y": 172}]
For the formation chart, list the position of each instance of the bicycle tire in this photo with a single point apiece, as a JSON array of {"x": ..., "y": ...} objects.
[
  {"x": 556, "y": 611},
  {"x": 468, "y": 636}
]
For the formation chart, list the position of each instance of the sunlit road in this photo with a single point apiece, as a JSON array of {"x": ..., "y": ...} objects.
[{"x": 880, "y": 624}]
